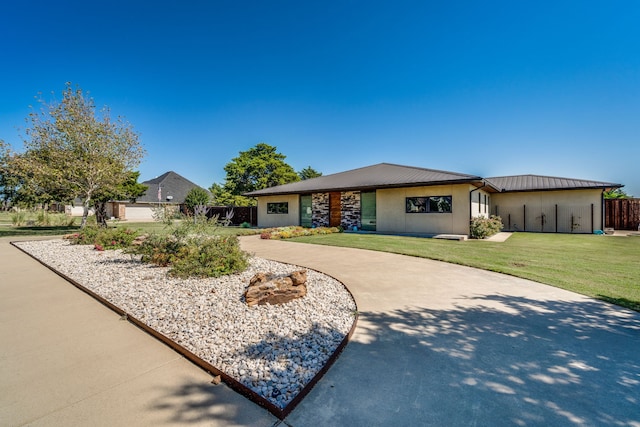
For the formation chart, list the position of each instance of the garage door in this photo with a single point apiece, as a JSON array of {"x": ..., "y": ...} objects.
[{"x": 139, "y": 213}]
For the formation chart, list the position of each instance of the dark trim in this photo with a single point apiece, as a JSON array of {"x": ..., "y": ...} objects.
[
  {"x": 531, "y": 190},
  {"x": 362, "y": 188}
]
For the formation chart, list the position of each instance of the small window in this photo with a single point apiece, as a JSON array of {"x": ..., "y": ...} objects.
[
  {"x": 278, "y": 208},
  {"x": 433, "y": 204},
  {"x": 417, "y": 204}
]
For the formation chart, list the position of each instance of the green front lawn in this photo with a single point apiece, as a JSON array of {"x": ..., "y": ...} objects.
[
  {"x": 604, "y": 267},
  {"x": 7, "y": 229}
]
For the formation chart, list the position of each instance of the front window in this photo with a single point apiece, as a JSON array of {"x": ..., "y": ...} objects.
[
  {"x": 432, "y": 204},
  {"x": 278, "y": 208}
]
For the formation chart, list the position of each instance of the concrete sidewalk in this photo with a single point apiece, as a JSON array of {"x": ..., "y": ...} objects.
[
  {"x": 436, "y": 344},
  {"x": 66, "y": 360}
]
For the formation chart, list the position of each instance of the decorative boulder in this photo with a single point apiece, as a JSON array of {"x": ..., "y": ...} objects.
[{"x": 267, "y": 288}]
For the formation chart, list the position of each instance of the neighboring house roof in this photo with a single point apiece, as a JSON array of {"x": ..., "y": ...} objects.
[
  {"x": 383, "y": 175},
  {"x": 173, "y": 189},
  {"x": 542, "y": 183}
]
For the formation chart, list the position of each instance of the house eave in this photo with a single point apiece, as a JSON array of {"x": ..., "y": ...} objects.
[
  {"x": 532, "y": 190},
  {"x": 261, "y": 193}
]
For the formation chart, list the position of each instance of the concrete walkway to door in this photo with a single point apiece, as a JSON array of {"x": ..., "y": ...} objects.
[{"x": 441, "y": 344}]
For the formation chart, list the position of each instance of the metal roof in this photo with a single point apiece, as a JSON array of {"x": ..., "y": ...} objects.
[
  {"x": 542, "y": 183},
  {"x": 382, "y": 175},
  {"x": 171, "y": 185}
]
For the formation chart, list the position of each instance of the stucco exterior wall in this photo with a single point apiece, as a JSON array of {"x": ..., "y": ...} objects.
[
  {"x": 279, "y": 220},
  {"x": 564, "y": 211},
  {"x": 480, "y": 204},
  {"x": 391, "y": 213}
]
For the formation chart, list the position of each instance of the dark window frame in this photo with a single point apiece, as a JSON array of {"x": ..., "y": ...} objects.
[
  {"x": 428, "y": 204},
  {"x": 277, "y": 208}
]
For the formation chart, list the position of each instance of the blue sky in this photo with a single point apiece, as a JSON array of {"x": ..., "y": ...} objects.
[{"x": 488, "y": 88}]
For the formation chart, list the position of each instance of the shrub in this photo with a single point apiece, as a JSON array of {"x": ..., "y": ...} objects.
[
  {"x": 210, "y": 257},
  {"x": 192, "y": 250},
  {"x": 482, "y": 227},
  {"x": 194, "y": 256},
  {"x": 43, "y": 218},
  {"x": 18, "y": 218},
  {"x": 296, "y": 231},
  {"x": 107, "y": 238},
  {"x": 159, "y": 250}
]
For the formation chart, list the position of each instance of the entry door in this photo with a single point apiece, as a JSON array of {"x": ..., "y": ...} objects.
[
  {"x": 335, "y": 209},
  {"x": 368, "y": 210},
  {"x": 306, "y": 216}
]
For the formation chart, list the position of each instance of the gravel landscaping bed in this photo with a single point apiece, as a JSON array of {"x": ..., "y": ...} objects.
[{"x": 273, "y": 350}]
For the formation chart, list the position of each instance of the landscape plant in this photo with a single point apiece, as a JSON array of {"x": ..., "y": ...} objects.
[
  {"x": 296, "y": 231},
  {"x": 482, "y": 227},
  {"x": 18, "y": 218},
  {"x": 192, "y": 249},
  {"x": 104, "y": 238}
]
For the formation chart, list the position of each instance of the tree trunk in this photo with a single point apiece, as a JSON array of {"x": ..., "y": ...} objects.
[
  {"x": 101, "y": 213},
  {"x": 85, "y": 212}
]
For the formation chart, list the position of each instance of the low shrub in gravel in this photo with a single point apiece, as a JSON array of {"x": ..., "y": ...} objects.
[
  {"x": 194, "y": 256},
  {"x": 105, "y": 238},
  {"x": 482, "y": 227},
  {"x": 193, "y": 249},
  {"x": 211, "y": 257},
  {"x": 296, "y": 231}
]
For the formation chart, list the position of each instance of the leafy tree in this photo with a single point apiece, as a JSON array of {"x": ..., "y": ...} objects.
[
  {"x": 616, "y": 193},
  {"x": 257, "y": 168},
  {"x": 308, "y": 173},
  {"x": 197, "y": 196},
  {"x": 222, "y": 197},
  {"x": 127, "y": 190},
  {"x": 8, "y": 183},
  {"x": 72, "y": 151},
  {"x": 14, "y": 191}
]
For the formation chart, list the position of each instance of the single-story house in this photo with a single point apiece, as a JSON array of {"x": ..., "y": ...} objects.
[
  {"x": 169, "y": 190},
  {"x": 391, "y": 198}
]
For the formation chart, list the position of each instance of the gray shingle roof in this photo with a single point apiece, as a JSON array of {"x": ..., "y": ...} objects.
[
  {"x": 541, "y": 183},
  {"x": 382, "y": 175},
  {"x": 171, "y": 184}
]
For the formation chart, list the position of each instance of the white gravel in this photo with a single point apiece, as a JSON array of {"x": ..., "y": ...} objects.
[{"x": 273, "y": 350}]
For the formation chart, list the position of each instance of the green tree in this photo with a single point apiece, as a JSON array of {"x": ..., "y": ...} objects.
[
  {"x": 257, "y": 168},
  {"x": 73, "y": 151},
  {"x": 308, "y": 173},
  {"x": 616, "y": 193},
  {"x": 14, "y": 190},
  {"x": 222, "y": 197},
  {"x": 197, "y": 196},
  {"x": 8, "y": 183}
]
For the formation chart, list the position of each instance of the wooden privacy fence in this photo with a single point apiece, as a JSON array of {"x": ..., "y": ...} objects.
[
  {"x": 622, "y": 214},
  {"x": 240, "y": 214}
]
